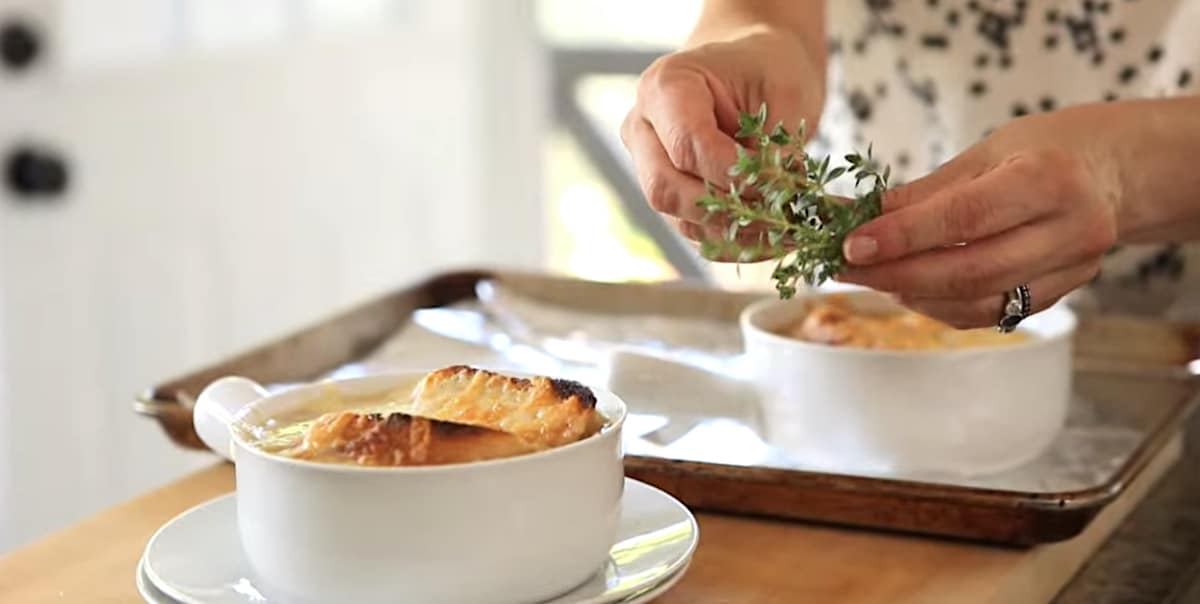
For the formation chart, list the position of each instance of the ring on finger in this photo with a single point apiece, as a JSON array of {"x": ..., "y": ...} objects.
[{"x": 1018, "y": 304}]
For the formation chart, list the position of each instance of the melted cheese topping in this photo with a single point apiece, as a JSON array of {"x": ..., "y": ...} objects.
[
  {"x": 399, "y": 439},
  {"x": 833, "y": 322}
]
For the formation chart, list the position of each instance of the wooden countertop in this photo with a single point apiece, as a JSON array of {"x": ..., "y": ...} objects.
[{"x": 740, "y": 560}]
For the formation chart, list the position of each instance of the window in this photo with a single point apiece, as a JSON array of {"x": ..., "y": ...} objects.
[{"x": 591, "y": 234}]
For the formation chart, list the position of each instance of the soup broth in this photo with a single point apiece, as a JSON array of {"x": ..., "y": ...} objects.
[{"x": 286, "y": 430}]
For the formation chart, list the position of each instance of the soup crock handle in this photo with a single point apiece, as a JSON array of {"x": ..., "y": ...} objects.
[
  {"x": 216, "y": 407},
  {"x": 657, "y": 384}
]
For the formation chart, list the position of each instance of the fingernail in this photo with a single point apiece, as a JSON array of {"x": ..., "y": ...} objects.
[{"x": 860, "y": 248}]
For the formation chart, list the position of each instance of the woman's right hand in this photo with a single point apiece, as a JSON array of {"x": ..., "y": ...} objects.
[{"x": 680, "y": 131}]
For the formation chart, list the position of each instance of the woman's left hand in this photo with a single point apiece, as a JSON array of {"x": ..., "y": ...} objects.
[{"x": 1034, "y": 203}]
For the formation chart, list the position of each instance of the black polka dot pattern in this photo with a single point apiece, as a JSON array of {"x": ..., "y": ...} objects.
[
  {"x": 939, "y": 41},
  {"x": 1167, "y": 263},
  {"x": 1082, "y": 26},
  {"x": 860, "y": 105},
  {"x": 1127, "y": 74},
  {"x": 986, "y": 62}
]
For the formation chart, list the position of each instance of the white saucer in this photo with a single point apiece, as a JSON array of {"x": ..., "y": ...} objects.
[
  {"x": 196, "y": 558},
  {"x": 152, "y": 595}
]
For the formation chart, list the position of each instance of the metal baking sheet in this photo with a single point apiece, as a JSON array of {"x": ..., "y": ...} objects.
[{"x": 674, "y": 353}]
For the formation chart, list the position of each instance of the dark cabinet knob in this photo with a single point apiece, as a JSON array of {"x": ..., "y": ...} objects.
[
  {"x": 33, "y": 173},
  {"x": 19, "y": 45}
]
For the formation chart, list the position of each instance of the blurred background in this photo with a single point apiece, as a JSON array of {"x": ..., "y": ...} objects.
[{"x": 187, "y": 178}]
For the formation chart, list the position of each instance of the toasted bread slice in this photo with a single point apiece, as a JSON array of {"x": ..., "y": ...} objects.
[
  {"x": 541, "y": 411},
  {"x": 400, "y": 439}
]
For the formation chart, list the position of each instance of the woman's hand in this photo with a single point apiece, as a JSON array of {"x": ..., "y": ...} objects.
[
  {"x": 680, "y": 131},
  {"x": 1038, "y": 202}
]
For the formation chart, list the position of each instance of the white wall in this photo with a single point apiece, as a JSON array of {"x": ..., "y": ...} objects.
[{"x": 228, "y": 191}]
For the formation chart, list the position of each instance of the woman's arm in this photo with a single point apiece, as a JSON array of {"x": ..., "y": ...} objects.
[
  {"x": 1155, "y": 146},
  {"x": 1038, "y": 202},
  {"x": 722, "y": 20}
]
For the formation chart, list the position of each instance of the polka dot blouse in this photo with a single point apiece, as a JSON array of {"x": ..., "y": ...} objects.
[{"x": 924, "y": 79}]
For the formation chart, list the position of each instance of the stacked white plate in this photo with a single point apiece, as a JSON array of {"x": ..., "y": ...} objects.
[{"x": 196, "y": 558}]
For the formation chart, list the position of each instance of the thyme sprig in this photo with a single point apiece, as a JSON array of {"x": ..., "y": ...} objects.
[{"x": 781, "y": 190}]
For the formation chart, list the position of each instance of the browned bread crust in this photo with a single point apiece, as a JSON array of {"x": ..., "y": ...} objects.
[
  {"x": 400, "y": 439},
  {"x": 543, "y": 412}
]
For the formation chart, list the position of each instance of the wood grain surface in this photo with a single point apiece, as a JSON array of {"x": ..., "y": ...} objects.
[{"x": 740, "y": 560}]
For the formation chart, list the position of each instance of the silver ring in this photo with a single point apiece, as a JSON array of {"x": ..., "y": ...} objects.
[{"x": 1017, "y": 305}]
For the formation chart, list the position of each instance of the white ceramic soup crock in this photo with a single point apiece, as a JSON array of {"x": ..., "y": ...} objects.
[
  {"x": 960, "y": 412},
  {"x": 521, "y": 529}
]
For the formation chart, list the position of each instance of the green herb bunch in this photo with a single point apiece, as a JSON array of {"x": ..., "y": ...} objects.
[{"x": 780, "y": 190}]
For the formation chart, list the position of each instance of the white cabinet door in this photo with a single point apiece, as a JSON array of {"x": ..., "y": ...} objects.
[{"x": 225, "y": 189}]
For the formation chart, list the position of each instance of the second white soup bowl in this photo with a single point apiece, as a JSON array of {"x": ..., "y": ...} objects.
[{"x": 963, "y": 412}]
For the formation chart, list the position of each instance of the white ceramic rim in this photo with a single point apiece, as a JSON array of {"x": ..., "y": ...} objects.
[
  {"x": 749, "y": 315},
  {"x": 661, "y": 588},
  {"x": 156, "y": 580},
  {"x": 676, "y": 570},
  {"x": 610, "y": 426},
  {"x": 145, "y": 584}
]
